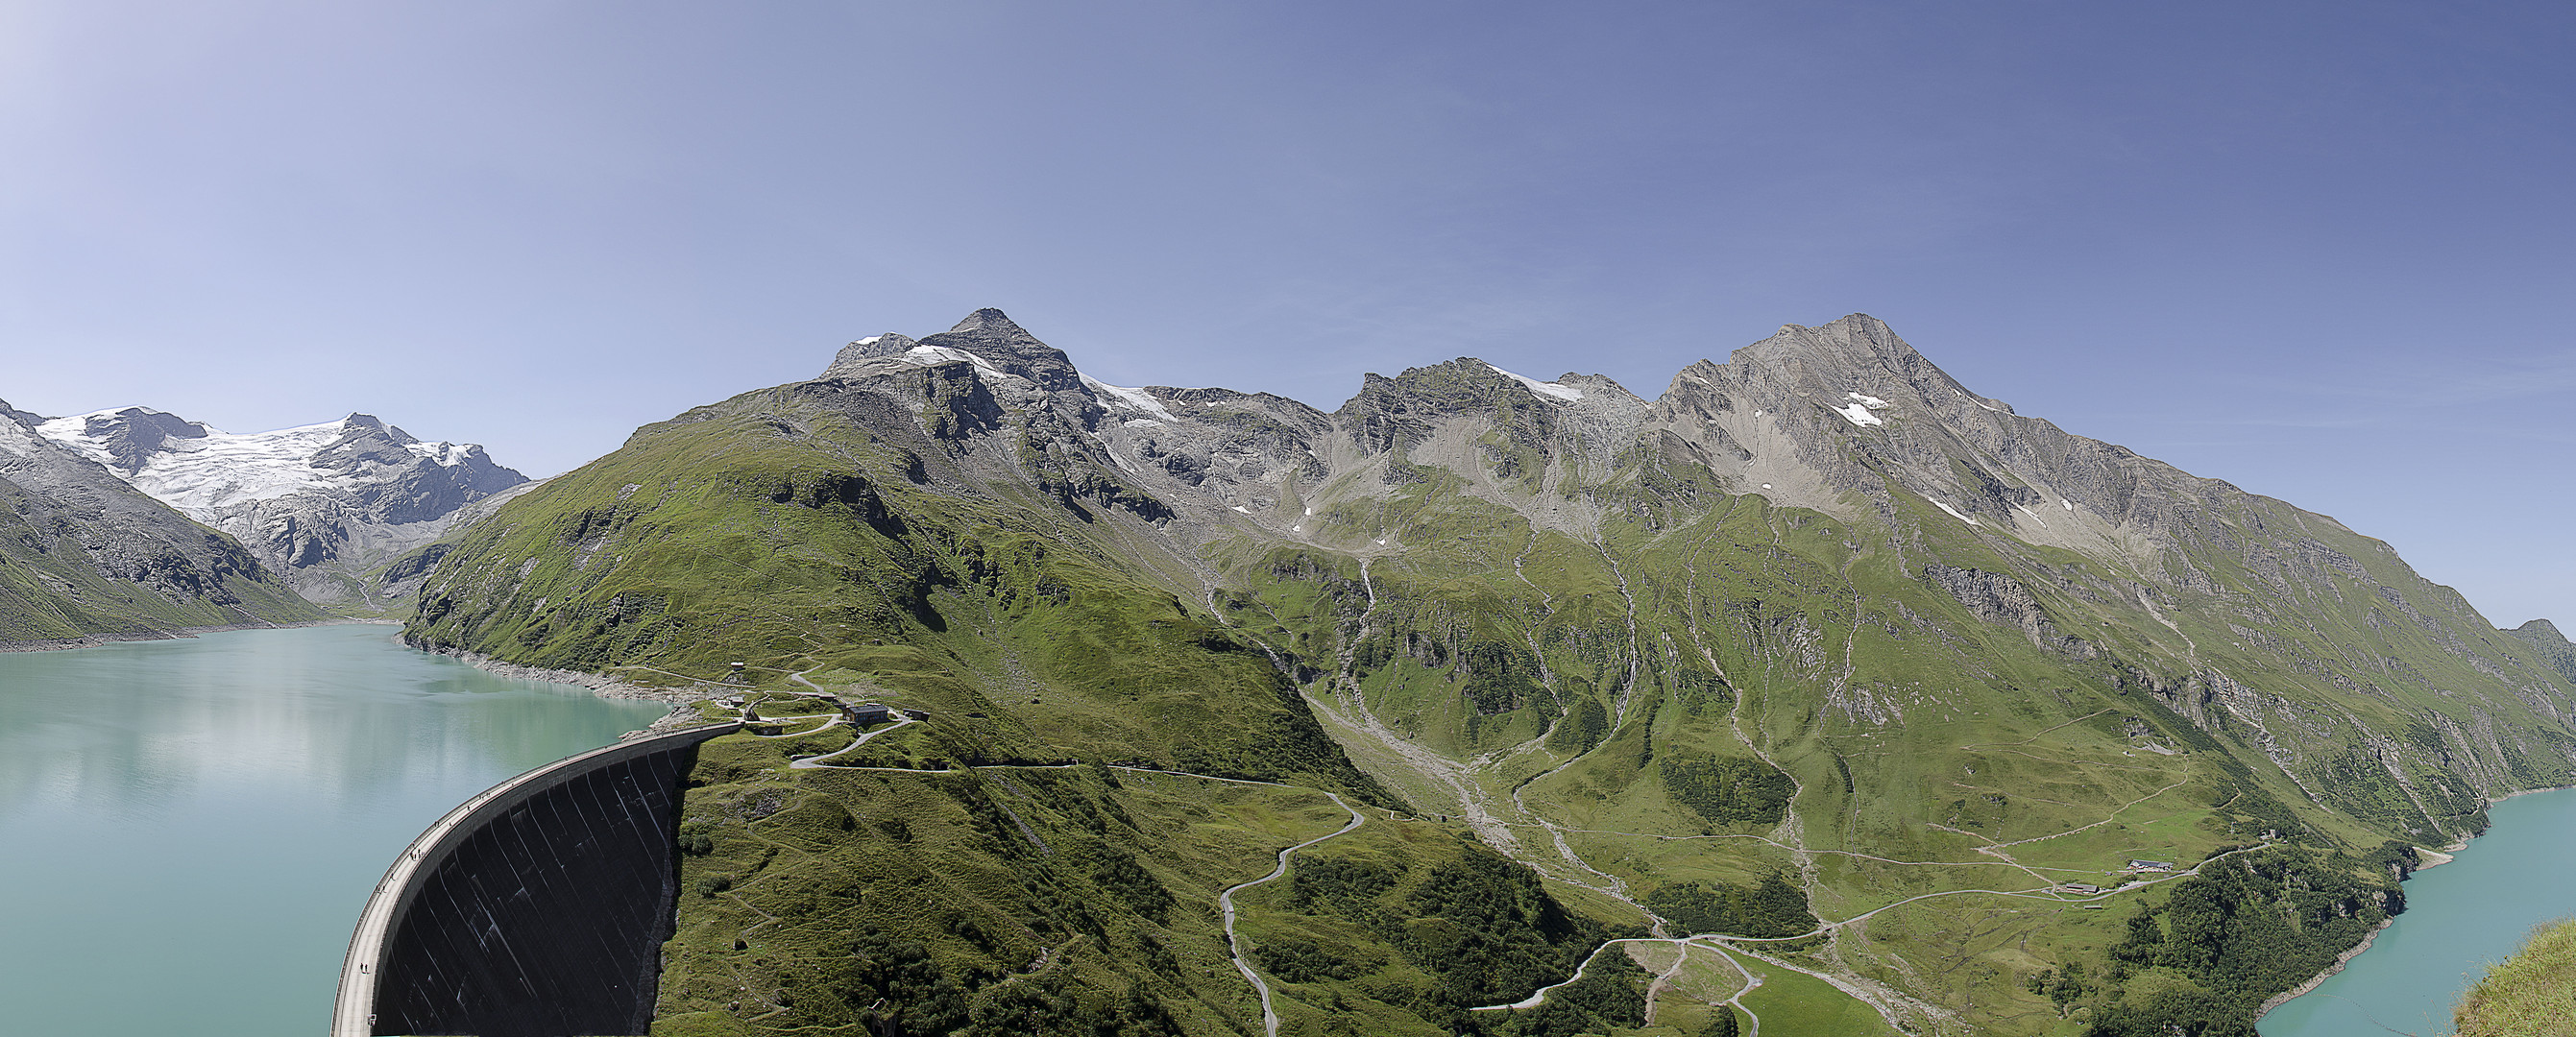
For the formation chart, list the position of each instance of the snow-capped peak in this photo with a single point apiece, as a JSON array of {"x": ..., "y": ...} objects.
[
  {"x": 199, "y": 474},
  {"x": 1550, "y": 390}
]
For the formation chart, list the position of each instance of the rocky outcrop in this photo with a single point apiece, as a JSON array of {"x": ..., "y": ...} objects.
[{"x": 2002, "y": 600}]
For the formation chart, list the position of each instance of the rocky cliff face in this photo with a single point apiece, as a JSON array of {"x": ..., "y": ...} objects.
[
  {"x": 1818, "y": 612},
  {"x": 82, "y": 554},
  {"x": 323, "y": 504}
]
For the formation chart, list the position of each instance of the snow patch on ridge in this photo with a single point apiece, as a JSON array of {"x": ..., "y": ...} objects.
[
  {"x": 443, "y": 454},
  {"x": 1550, "y": 390},
  {"x": 1954, "y": 513},
  {"x": 1136, "y": 399},
  {"x": 927, "y": 356}
]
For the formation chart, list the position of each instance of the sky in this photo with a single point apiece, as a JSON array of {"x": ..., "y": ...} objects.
[{"x": 2322, "y": 251}]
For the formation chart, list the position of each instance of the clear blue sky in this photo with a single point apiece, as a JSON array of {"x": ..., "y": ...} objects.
[{"x": 2322, "y": 251}]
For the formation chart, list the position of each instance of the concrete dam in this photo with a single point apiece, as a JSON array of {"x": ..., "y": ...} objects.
[{"x": 537, "y": 908}]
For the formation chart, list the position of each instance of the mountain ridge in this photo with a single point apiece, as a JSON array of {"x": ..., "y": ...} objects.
[
  {"x": 321, "y": 504},
  {"x": 1817, "y": 619}
]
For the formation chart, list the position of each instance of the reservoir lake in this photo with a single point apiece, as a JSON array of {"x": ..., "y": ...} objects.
[
  {"x": 188, "y": 828},
  {"x": 2459, "y": 918}
]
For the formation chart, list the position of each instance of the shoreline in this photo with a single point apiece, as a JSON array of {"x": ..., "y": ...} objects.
[
  {"x": 2493, "y": 800},
  {"x": 64, "y": 644},
  {"x": 602, "y": 686},
  {"x": 2440, "y": 857},
  {"x": 2318, "y": 980}
]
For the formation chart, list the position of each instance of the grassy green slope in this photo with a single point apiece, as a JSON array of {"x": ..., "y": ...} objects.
[
  {"x": 1932, "y": 750},
  {"x": 1036, "y": 899},
  {"x": 1858, "y": 750},
  {"x": 2526, "y": 995},
  {"x": 840, "y": 558},
  {"x": 716, "y": 538},
  {"x": 55, "y": 585}
]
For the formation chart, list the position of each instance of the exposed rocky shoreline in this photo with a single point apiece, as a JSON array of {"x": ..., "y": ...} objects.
[
  {"x": 604, "y": 687},
  {"x": 2277, "y": 1000},
  {"x": 679, "y": 699},
  {"x": 2436, "y": 858}
]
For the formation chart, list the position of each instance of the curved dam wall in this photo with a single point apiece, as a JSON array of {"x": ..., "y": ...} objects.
[{"x": 537, "y": 908}]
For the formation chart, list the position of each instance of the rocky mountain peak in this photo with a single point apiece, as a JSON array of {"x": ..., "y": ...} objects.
[
  {"x": 991, "y": 321},
  {"x": 1399, "y": 412},
  {"x": 361, "y": 424},
  {"x": 26, "y": 418},
  {"x": 129, "y": 437},
  {"x": 2553, "y": 646},
  {"x": 1856, "y": 354},
  {"x": 989, "y": 333}
]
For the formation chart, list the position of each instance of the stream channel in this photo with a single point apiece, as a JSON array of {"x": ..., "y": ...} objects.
[
  {"x": 188, "y": 828},
  {"x": 2459, "y": 917}
]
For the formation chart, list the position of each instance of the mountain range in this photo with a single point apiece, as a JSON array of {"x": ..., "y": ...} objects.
[
  {"x": 322, "y": 505},
  {"x": 85, "y": 556},
  {"x": 1818, "y": 667}
]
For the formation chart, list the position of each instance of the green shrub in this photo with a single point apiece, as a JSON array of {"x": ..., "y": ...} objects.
[
  {"x": 1729, "y": 789},
  {"x": 1772, "y": 908}
]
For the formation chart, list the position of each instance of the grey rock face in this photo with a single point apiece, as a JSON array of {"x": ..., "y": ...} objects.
[
  {"x": 1846, "y": 419},
  {"x": 866, "y": 349},
  {"x": 2000, "y": 599}
]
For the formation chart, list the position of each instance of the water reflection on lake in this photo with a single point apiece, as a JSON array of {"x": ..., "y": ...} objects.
[{"x": 188, "y": 828}]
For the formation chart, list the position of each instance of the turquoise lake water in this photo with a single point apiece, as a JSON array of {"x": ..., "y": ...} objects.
[
  {"x": 188, "y": 828},
  {"x": 2459, "y": 917}
]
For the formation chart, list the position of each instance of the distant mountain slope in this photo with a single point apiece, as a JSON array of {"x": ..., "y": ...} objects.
[
  {"x": 82, "y": 554},
  {"x": 2543, "y": 636},
  {"x": 1817, "y": 644},
  {"x": 323, "y": 504}
]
